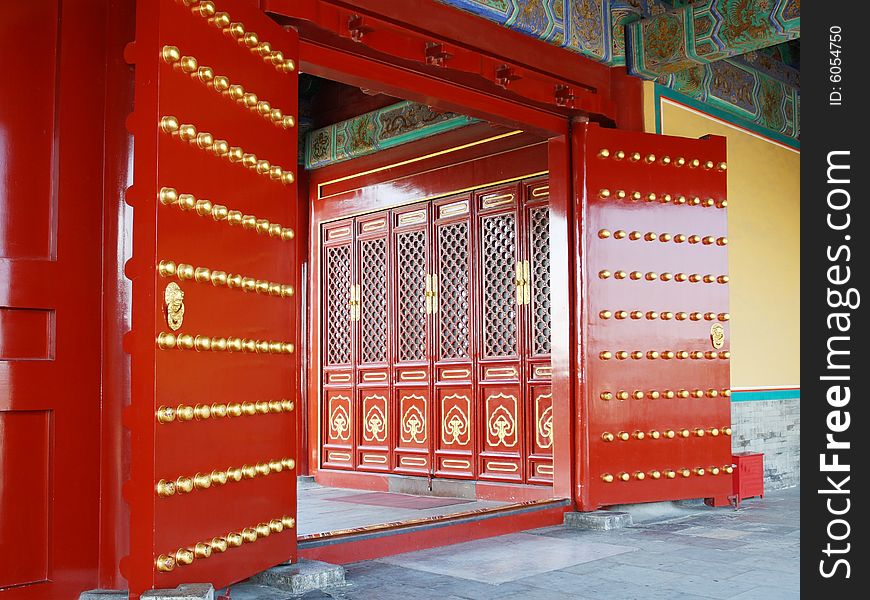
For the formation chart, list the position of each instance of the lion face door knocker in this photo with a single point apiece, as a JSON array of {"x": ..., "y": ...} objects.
[
  {"x": 173, "y": 299},
  {"x": 717, "y": 335}
]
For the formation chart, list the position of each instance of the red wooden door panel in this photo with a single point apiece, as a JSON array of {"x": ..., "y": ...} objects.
[
  {"x": 340, "y": 314},
  {"x": 454, "y": 418},
  {"x": 51, "y": 208},
  {"x": 500, "y": 296},
  {"x": 212, "y": 493},
  {"x": 656, "y": 316},
  {"x": 412, "y": 406},
  {"x": 373, "y": 372},
  {"x": 536, "y": 313}
]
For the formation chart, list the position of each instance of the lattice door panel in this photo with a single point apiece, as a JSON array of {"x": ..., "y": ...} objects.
[
  {"x": 373, "y": 284},
  {"x": 501, "y": 296},
  {"x": 338, "y": 291},
  {"x": 536, "y": 313},
  {"x": 656, "y": 317},
  {"x": 373, "y": 371},
  {"x": 539, "y": 279},
  {"x": 412, "y": 408},
  {"x": 412, "y": 295},
  {"x": 454, "y": 293},
  {"x": 498, "y": 265},
  {"x": 341, "y": 312},
  {"x": 454, "y": 418},
  {"x": 212, "y": 419}
]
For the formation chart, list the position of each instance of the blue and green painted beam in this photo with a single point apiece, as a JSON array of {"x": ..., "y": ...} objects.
[
  {"x": 377, "y": 130},
  {"x": 707, "y": 31}
]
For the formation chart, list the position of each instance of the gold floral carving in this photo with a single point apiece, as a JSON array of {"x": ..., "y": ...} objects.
[
  {"x": 375, "y": 420},
  {"x": 501, "y": 424},
  {"x": 544, "y": 421},
  {"x": 413, "y": 421},
  {"x": 454, "y": 424},
  {"x": 339, "y": 418}
]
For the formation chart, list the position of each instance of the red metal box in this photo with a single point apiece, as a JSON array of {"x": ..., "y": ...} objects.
[{"x": 748, "y": 475}]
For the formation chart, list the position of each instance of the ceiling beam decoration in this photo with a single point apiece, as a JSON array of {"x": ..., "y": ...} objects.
[
  {"x": 762, "y": 101},
  {"x": 377, "y": 130},
  {"x": 581, "y": 26},
  {"x": 707, "y": 31}
]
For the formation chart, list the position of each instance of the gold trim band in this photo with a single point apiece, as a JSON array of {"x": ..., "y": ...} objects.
[
  {"x": 183, "y": 271},
  {"x": 205, "y": 141},
  {"x": 186, "y": 556},
  {"x": 222, "y": 85},
  {"x": 185, "y": 412},
  {"x": 204, "y": 343},
  {"x": 184, "y": 484},
  {"x": 224, "y": 22},
  {"x": 170, "y": 197}
]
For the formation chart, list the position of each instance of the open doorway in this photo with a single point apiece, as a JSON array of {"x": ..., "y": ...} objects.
[{"x": 429, "y": 317}]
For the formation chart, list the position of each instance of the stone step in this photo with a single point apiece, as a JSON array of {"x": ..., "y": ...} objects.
[
  {"x": 278, "y": 583},
  {"x": 301, "y": 577}
]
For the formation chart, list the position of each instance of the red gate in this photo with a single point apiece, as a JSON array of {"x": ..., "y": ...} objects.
[
  {"x": 656, "y": 316},
  {"x": 212, "y": 494}
]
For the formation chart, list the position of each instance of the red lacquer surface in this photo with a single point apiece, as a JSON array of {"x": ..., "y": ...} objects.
[
  {"x": 209, "y": 379},
  {"x": 661, "y": 257},
  {"x": 51, "y": 146}
]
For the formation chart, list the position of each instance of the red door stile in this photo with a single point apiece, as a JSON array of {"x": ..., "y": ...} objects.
[
  {"x": 499, "y": 296},
  {"x": 412, "y": 303},
  {"x": 536, "y": 316},
  {"x": 340, "y": 310},
  {"x": 657, "y": 403},
  {"x": 454, "y": 422},
  {"x": 373, "y": 426},
  {"x": 212, "y": 493}
]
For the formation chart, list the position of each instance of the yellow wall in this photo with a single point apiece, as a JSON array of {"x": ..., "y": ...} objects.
[{"x": 764, "y": 245}]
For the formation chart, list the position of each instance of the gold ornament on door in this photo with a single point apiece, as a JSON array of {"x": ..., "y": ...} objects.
[
  {"x": 173, "y": 298},
  {"x": 717, "y": 335}
]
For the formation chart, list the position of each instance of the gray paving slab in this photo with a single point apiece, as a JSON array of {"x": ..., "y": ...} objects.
[
  {"x": 505, "y": 558},
  {"x": 748, "y": 554}
]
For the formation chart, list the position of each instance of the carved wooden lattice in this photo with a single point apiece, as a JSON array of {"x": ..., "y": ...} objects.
[
  {"x": 453, "y": 289},
  {"x": 411, "y": 283},
  {"x": 498, "y": 240},
  {"x": 338, "y": 305},
  {"x": 539, "y": 253},
  {"x": 373, "y": 275}
]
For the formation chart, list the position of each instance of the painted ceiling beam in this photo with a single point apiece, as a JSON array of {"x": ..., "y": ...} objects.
[
  {"x": 377, "y": 130},
  {"x": 707, "y": 31}
]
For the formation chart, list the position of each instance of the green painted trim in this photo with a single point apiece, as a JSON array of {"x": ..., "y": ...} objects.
[
  {"x": 364, "y": 134},
  {"x": 665, "y": 92},
  {"x": 759, "y": 395}
]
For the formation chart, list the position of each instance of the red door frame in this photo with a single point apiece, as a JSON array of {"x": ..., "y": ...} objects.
[{"x": 339, "y": 41}]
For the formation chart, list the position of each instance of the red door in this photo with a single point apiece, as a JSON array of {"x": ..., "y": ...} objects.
[
  {"x": 413, "y": 305},
  {"x": 340, "y": 315},
  {"x": 212, "y": 494},
  {"x": 500, "y": 294},
  {"x": 656, "y": 317},
  {"x": 454, "y": 418},
  {"x": 372, "y": 375},
  {"x": 536, "y": 315},
  {"x": 51, "y": 206}
]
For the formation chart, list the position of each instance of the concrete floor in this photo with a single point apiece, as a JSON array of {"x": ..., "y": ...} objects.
[
  {"x": 321, "y": 509},
  {"x": 690, "y": 553}
]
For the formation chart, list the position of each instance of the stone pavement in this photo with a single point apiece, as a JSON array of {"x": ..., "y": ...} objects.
[
  {"x": 695, "y": 552},
  {"x": 321, "y": 509}
]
